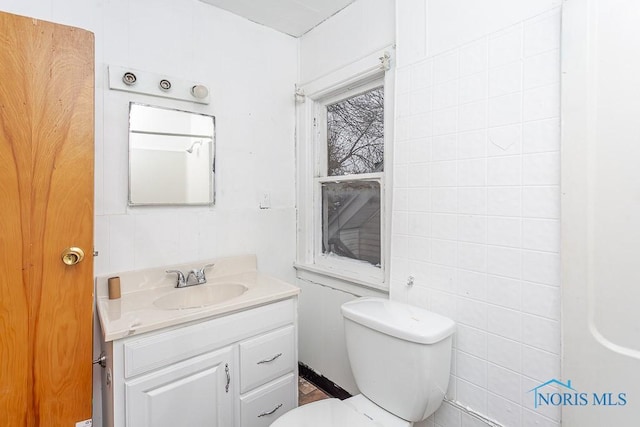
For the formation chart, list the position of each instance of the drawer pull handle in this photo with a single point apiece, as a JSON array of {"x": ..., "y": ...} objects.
[
  {"x": 264, "y": 414},
  {"x": 226, "y": 370},
  {"x": 269, "y": 360}
]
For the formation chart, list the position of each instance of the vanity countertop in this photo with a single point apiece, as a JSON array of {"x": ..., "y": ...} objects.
[{"x": 135, "y": 312}]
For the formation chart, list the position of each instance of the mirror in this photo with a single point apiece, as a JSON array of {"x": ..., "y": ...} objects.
[{"x": 171, "y": 156}]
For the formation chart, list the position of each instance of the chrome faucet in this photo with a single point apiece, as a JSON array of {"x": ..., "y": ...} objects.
[
  {"x": 182, "y": 282},
  {"x": 198, "y": 277}
]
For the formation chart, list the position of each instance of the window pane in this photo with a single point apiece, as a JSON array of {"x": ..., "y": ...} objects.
[
  {"x": 355, "y": 134},
  {"x": 351, "y": 220}
]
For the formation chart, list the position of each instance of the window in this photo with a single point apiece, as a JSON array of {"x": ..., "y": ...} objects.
[
  {"x": 343, "y": 126},
  {"x": 351, "y": 183}
]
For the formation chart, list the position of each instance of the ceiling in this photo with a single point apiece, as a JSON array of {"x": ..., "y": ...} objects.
[{"x": 293, "y": 17}]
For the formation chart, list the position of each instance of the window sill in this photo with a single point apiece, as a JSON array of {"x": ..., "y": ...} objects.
[{"x": 339, "y": 280}]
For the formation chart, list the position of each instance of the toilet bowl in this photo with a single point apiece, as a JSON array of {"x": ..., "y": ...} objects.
[
  {"x": 400, "y": 357},
  {"x": 357, "y": 411}
]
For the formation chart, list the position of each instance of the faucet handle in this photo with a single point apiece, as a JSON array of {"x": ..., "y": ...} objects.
[
  {"x": 206, "y": 266},
  {"x": 181, "y": 279},
  {"x": 200, "y": 276}
]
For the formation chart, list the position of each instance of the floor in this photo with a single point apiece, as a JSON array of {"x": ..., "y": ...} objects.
[{"x": 308, "y": 392}]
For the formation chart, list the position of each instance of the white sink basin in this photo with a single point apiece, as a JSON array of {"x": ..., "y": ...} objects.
[{"x": 200, "y": 296}]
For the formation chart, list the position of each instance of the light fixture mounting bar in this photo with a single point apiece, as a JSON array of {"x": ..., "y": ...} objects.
[{"x": 148, "y": 83}]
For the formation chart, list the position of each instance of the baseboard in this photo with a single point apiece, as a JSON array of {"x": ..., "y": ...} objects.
[{"x": 322, "y": 382}]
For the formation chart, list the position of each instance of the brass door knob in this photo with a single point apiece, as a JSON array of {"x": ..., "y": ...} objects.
[{"x": 72, "y": 255}]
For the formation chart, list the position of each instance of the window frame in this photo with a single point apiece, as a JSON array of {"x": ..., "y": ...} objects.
[{"x": 359, "y": 77}]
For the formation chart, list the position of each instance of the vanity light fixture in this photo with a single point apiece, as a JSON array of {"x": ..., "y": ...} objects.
[
  {"x": 164, "y": 85},
  {"x": 149, "y": 83},
  {"x": 199, "y": 91}
]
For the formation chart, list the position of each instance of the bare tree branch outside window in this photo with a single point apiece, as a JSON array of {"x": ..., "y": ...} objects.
[{"x": 355, "y": 134}]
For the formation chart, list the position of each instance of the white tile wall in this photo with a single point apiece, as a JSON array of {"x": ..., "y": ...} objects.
[{"x": 484, "y": 248}]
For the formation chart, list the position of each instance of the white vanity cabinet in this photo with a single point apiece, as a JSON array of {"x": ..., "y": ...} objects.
[{"x": 238, "y": 369}]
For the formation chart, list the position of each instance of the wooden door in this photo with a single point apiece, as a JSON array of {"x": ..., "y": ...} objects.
[{"x": 46, "y": 196}]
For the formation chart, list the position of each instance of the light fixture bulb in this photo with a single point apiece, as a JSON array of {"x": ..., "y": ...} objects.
[
  {"x": 199, "y": 91},
  {"x": 164, "y": 85},
  {"x": 129, "y": 78}
]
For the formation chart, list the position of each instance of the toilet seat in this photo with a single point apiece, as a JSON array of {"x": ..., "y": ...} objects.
[{"x": 324, "y": 413}]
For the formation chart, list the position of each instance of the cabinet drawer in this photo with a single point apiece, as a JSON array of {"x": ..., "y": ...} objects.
[
  {"x": 266, "y": 357},
  {"x": 264, "y": 405},
  {"x": 152, "y": 351}
]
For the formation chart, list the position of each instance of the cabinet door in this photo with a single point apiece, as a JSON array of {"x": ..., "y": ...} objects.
[
  {"x": 196, "y": 392},
  {"x": 46, "y": 189}
]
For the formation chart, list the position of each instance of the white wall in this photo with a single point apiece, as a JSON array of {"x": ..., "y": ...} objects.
[
  {"x": 251, "y": 71},
  {"x": 321, "y": 344},
  {"x": 363, "y": 28},
  {"x": 476, "y": 195}
]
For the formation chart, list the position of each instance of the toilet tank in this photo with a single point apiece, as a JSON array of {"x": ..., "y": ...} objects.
[{"x": 400, "y": 355}]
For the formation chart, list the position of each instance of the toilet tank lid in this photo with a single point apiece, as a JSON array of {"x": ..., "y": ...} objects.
[{"x": 399, "y": 320}]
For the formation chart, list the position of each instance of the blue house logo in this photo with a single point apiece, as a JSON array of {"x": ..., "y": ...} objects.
[
  {"x": 556, "y": 393},
  {"x": 542, "y": 398}
]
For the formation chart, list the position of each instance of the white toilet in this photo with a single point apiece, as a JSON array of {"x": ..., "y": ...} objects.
[{"x": 400, "y": 357}]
